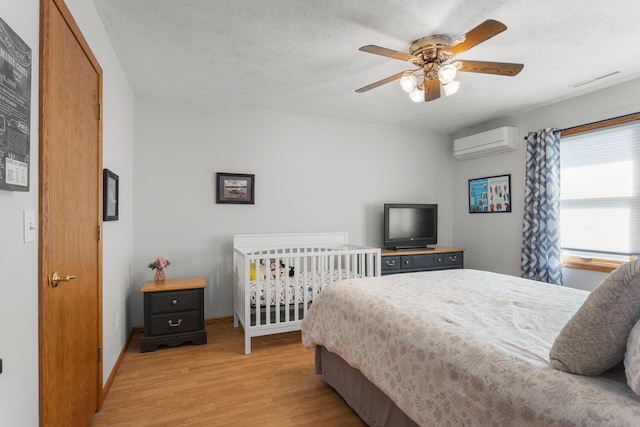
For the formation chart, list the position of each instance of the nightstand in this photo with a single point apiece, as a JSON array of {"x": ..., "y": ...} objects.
[{"x": 173, "y": 313}]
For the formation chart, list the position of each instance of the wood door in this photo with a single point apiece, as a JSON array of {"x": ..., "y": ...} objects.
[{"x": 70, "y": 314}]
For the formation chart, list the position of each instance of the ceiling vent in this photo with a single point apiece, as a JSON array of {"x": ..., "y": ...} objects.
[{"x": 483, "y": 144}]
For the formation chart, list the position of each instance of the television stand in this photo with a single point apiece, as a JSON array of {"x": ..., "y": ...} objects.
[{"x": 421, "y": 259}]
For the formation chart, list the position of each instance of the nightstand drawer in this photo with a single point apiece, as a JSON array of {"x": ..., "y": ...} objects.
[
  {"x": 173, "y": 323},
  {"x": 390, "y": 263},
  {"x": 172, "y": 302}
]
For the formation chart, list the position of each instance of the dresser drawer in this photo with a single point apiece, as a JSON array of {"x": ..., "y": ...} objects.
[
  {"x": 172, "y": 302},
  {"x": 438, "y": 260},
  {"x": 453, "y": 259},
  {"x": 423, "y": 261},
  {"x": 414, "y": 260},
  {"x": 390, "y": 263},
  {"x": 173, "y": 323},
  {"x": 406, "y": 261}
]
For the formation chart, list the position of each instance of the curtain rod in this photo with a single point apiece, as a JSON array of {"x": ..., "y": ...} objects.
[{"x": 599, "y": 124}]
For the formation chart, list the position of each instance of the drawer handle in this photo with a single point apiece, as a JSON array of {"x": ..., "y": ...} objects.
[
  {"x": 390, "y": 262},
  {"x": 174, "y": 325},
  {"x": 453, "y": 258},
  {"x": 174, "y": 302}
]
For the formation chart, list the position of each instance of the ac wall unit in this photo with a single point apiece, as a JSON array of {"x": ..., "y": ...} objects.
[{"x": 490, "y": 142}]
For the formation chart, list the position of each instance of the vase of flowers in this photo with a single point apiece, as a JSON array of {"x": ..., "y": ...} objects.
[{"x": 159, "y": 264}]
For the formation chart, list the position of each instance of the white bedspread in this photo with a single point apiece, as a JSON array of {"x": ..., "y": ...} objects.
[{"x": 466, "y": 347}]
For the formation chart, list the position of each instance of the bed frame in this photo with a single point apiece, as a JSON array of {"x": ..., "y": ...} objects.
[{"x": 316, "y": 259}]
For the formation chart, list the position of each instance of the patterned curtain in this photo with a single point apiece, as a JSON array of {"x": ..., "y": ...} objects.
[{"x": 540, "y": 257}]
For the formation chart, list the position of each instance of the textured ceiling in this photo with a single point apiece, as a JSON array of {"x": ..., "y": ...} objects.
[{"x": 302, "y": 55}]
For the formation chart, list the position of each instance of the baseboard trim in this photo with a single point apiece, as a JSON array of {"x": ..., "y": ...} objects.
[
  {"x": 218, "y": 320},
  {"x": 114, "y": 371}
]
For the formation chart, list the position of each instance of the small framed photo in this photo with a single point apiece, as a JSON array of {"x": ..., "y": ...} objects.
[
  {"x": 235, "y": 188},
  {"x": 491, "y": 194},
  {"x": 109, "y": 196}
]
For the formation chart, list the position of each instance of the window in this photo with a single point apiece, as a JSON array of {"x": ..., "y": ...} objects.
[{"x": 600, "y": 195}]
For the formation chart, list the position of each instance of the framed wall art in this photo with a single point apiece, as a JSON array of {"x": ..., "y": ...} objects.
[
  {"x": 491, "y": 194},
  {"x": 109, "y": 196},
  {"x": 235, "y": 188}
]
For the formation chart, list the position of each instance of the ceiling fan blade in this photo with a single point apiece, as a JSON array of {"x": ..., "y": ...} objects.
[
  {"x": 475, "y": 36},
  {"x": 382, "y": 82},
  {"x": 383, "y": 51},
  {"x": 431, "y": 89},
  {"x": 486, "y": 67}
]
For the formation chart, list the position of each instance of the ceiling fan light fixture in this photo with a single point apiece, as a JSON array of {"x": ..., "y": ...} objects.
[
  {"x": 417, "y": 94},
  {"x": 436, "y": 68},
  {"x": 408, "y": 82},
  {"x": 447, "y": 73},
  {"x": 451, "y": 87}
]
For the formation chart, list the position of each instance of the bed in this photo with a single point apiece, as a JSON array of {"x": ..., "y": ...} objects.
[
  {"x": 278, "y": 276},
  {"x": 463, "y": 348}
]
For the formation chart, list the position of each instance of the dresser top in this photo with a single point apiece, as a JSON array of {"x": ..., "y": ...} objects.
[
  {"x": 420, "y": 251},
  {"x": 174, "y": 284}
]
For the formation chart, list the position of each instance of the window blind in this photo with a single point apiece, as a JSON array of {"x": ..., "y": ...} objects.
[{"x": 600, "y": 190}]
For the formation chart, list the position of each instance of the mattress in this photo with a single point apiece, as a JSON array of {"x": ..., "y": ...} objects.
[
  {"x": 466, "y": 347},
  {"x": 292, "y": 289}
]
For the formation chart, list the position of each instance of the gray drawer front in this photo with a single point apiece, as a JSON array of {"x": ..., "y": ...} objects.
[
  {"x": 390, "y": 263},
  {"x": 422, "y": 261},
  {"x": 172, "y": 302},
  {"x": 406, "y": 261},
  {"x": 438, "y": 260},
  {"x": 174, "y": 323},
  {"x": 453, "y": 259}
]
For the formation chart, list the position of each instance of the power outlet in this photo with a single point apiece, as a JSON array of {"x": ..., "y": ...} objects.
[{"x": 117, "y": 321}]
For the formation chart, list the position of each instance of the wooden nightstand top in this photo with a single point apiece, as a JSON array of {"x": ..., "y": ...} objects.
[{"x": 174, "y": 284}]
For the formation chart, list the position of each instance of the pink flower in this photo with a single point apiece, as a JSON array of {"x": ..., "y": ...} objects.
[{"x": 159, "y": 263}]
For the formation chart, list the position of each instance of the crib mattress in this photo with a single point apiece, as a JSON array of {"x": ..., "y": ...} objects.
[{"x": 289, "y": 290}]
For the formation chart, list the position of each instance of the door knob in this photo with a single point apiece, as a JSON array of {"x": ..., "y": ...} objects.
[{"x": 56, "y": 278}]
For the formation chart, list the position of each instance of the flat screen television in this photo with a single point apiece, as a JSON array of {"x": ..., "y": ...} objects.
[{"x": 410, "y": 226}]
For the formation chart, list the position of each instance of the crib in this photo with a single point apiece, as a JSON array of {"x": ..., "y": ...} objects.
[{"x": 277, "y": 276}]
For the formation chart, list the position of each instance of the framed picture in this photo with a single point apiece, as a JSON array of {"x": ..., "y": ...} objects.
[
  {"x": 491, "y": 194},
  {"x": 109, "y": 196},
  {"x": 235, "y": 188}
]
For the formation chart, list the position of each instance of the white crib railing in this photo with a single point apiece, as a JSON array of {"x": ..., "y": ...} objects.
[{"x": 278, "y": 304}]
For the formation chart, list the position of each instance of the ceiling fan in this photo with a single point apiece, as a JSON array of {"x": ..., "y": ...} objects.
[{"x": 431, "y": 55}]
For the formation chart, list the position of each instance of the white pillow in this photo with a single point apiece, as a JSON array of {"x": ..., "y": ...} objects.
[
  {"x": 632, "y": 359},
  {"x": 594, "y": 339}
]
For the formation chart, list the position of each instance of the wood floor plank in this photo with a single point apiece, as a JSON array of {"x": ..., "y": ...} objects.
[{"x": 218, "y": 385}]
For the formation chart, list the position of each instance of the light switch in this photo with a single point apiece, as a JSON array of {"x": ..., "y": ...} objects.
[{"x": 29, "y": 225}]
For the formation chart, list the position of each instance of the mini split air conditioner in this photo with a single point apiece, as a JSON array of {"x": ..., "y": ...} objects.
[{"x": 491, "y": 142}]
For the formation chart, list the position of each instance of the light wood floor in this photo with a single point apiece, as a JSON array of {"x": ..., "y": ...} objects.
[{"x": 218, "y": 385}]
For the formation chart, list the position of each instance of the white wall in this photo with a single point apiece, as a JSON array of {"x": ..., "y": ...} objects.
[
  {"x": 492, "y": 241},
  {"x": 313, "y": 174},
  {"x": 19, "y": 261}
]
